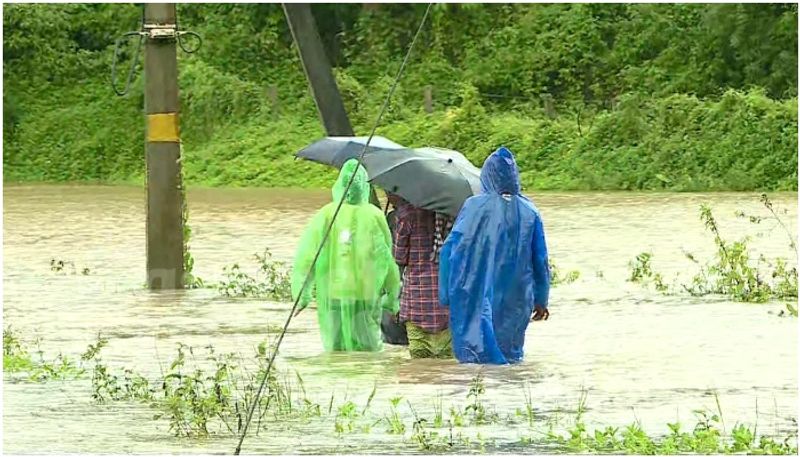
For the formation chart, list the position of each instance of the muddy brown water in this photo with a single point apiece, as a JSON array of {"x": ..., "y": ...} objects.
[{"x": 640, "y": 355}]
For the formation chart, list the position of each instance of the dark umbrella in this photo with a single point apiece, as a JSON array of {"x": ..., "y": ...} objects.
[
  {"x": 431, "y": 178},
  {"x": 335, "y": 150}
]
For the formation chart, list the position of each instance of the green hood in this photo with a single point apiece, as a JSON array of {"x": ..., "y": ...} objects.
[{"x": 359, "y": 191}]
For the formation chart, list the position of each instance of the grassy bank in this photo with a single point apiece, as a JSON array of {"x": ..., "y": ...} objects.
[{"x": 743, "y": 141}]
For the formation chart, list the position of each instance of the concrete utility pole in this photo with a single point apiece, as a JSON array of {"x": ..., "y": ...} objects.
[
  {"x": 164, "y": 198},
  {"x": 318, "y": 69},
  {"x": 319, "y": 74}
]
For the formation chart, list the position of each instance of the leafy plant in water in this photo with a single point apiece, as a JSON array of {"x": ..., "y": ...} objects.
[
  {"x": 193, "y": 399},
  {"x": 476, "y": 408},
  {"x": 15, "y": 357},
  {"x": 791, "y": 310},
  {"x": 60, "y": 266},
  {"x": 557, "y": 278},
  {"x": 438, "y": 417},
  {"x": 428, "y": 440},
  {"x": 105, "y": 385},
  {"x": 528, "y": 412},
  {"x": 346, "y": 418},
  {"x": 61, "y": 368},
  {"x": 732, "y": 274},
  {"x": 705, "y": 438},
  {"x": 642, "y": 272},
  {"x": 273, "y": 280},
  {"x": 396, "y": 425}
]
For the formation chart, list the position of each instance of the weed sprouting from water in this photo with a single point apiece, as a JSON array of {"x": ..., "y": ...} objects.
[
  {"x": 272, "y": 281},
  {"x": 705, "y": 438},
  {"x": 528, "y": 412},
  {"x": 396, "y": 425},
  {"x": 476, "y": 408},
  {"x": 642, "y": 272},
  {"x": 791, "y": 310},
  {"x": 205, "y": 396},
  {"x": 17, "y": 358},
  {"x": 557, "y": 278},
  {"x": 344, "y": 422},
  {"x": 428, "y": 440},
  {"x": 369, "y": 399},
  {"x": 67, "y": 266},
  {"x": 733, "y": 272},
  {"x": 438, "y": 417}
]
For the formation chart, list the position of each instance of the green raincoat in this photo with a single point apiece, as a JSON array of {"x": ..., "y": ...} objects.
[{"x": 356, "y": 277}]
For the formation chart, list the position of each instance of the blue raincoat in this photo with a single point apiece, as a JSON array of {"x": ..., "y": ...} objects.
[{"x": 493, "y": 267}]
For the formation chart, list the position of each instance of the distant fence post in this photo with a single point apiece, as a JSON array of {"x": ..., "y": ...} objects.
[
  {"x": 428, "y": 96},
  {"x": 272, "y": 93},
  {"x": 549, "y": 106}
]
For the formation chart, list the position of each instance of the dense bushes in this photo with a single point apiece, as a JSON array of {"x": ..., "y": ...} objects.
[{"x": 590, "y": 96}]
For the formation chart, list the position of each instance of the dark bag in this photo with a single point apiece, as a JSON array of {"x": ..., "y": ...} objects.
[{"x": 392, "y": 332}]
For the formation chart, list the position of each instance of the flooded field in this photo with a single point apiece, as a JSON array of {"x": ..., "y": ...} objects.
[{"x": 638, "y": 354}]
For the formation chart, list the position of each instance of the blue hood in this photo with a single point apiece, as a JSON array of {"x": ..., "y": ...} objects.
[{"x": 500, "y": 174}]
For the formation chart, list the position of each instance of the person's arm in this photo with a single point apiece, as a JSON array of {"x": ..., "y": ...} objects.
[
  {"x": 541, "y": 271},
  {"x": 306, "y": 250},
  {"x": 444, "y": 268},
  {"x": 402, "y": 239}
]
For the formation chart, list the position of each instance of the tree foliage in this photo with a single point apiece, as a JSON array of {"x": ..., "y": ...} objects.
[{"x": 627, "y": 96}]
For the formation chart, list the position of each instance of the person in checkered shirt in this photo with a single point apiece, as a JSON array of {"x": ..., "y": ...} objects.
[{"x": 416, "y": 243}]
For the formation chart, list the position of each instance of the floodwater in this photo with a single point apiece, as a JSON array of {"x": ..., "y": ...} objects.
[{"x": 641, "y": 356}]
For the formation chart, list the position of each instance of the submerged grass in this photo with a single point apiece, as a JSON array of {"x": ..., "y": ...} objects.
[
  {"x": 209, "y": 395},
  {"x": 273, "y": 280},
  {"x": 17, "y": 358},
  {"x": 203, "y": 393}
]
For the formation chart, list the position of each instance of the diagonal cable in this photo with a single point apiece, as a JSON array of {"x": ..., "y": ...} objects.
[{"x": 325, "y": 236}]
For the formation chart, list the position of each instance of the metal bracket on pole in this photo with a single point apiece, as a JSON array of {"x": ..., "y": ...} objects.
[{"x": 161, "y": 31}]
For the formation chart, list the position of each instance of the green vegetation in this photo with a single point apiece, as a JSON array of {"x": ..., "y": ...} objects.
[
  {"x": 210, "y": 396},
  {"x": 272, "y": 281},
  {"x": 705, "y": 438},
  {"x": 642, "y": 272},
  {"x": 202, "y": 393},
  {"x": 589, "y": 96},
  {"x": 733, "y": 272},
  {"x": 17, "y": 359},
  {"x": 557, "y": 277}
]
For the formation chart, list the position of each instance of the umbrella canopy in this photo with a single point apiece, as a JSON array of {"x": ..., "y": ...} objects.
[
  {"x": 336, "y": 150},
  {"x": 432, "y": 178}
]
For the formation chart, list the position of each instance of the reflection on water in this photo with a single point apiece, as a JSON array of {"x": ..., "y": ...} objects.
[{"x": 641, "y": 355}]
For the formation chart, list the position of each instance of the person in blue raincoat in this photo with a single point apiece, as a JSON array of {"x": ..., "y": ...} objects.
[{"x": 493, "y": 270}]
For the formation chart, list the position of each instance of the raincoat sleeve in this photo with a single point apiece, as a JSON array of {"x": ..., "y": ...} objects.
[
  {"x": 541, "y": 268},
  {"x": 444, "y": 269},
  {"x": 391, "y": 285},
  {"x": 306, "y": 250},
  {"x": 402, "y": 240}
]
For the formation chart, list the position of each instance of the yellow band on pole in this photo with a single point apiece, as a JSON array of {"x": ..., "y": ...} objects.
[{"x": 163, "y": 127}]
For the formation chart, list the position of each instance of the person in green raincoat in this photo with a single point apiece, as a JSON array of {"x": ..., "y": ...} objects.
[{"x": 355, "y": 278}]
